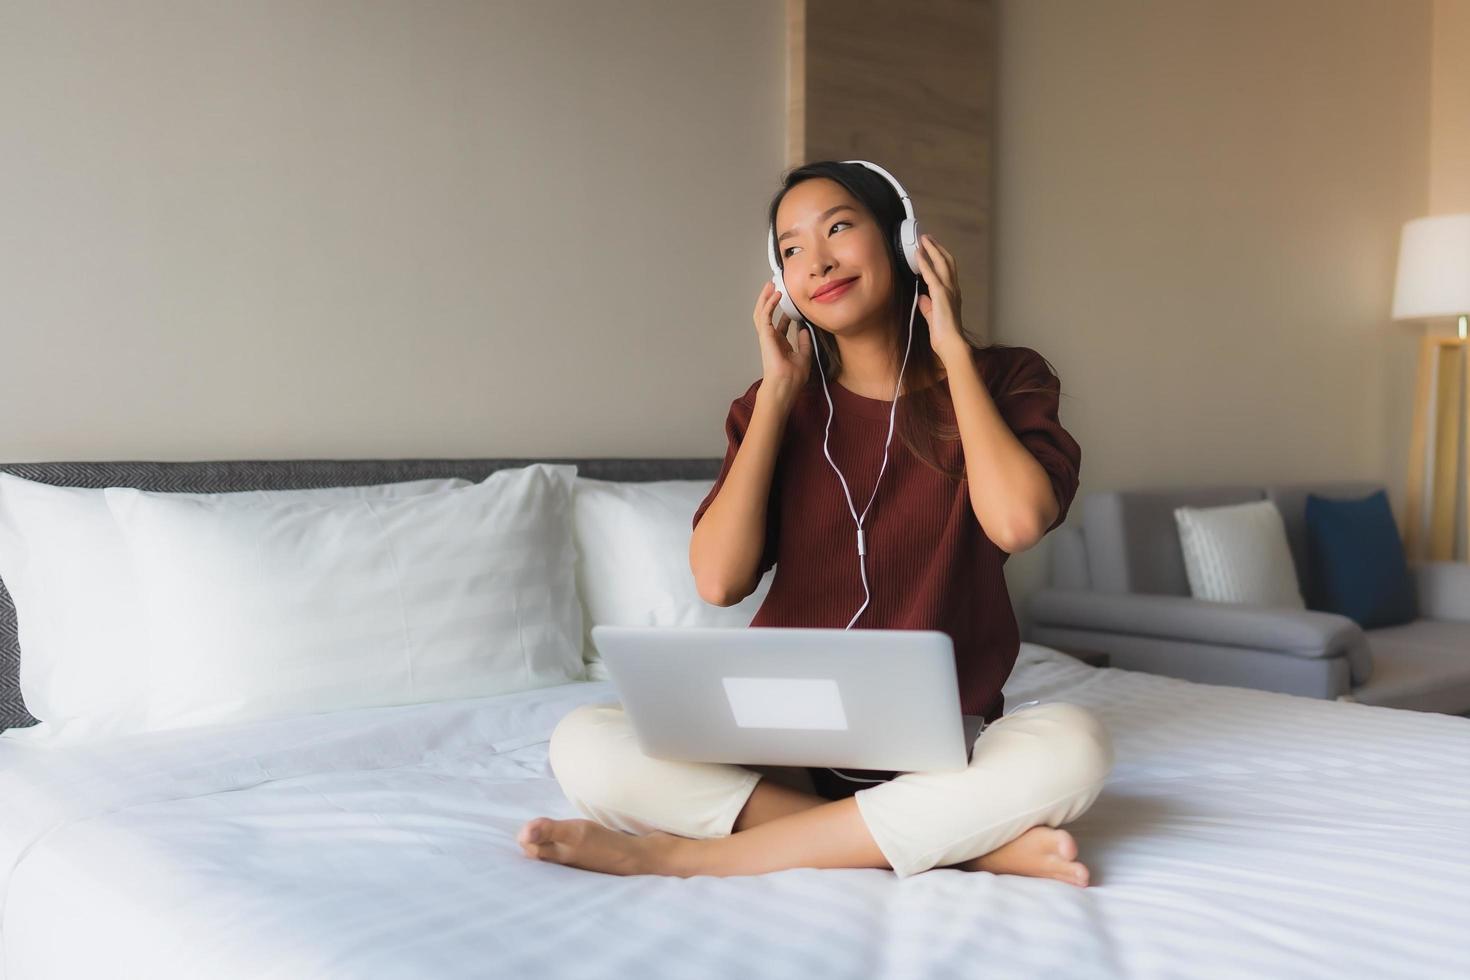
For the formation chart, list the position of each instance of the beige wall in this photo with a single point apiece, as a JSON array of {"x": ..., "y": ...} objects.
[
  {"x": 293, "y": 229},
  {"x": 1198, "y": 214},
  {"x": 286, "y": 229},
  {"x": 1449, "y": 137}
]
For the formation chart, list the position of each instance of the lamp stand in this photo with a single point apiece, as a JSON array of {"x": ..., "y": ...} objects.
[{"x": 1443, "y": 370}]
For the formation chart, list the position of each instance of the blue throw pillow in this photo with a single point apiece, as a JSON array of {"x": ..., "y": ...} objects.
[{"x": 1357, "y": 561}]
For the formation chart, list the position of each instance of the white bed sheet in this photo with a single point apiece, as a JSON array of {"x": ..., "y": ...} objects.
[{"x": 1241, "y": 834}]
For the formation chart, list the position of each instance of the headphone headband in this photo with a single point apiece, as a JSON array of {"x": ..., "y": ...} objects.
[
  {"x": 903, "y": 195},
  {"x": 903, "y": 198}
]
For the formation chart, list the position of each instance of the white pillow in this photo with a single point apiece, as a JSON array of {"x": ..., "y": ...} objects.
[
  {"x": 82, "y": 636},
  {"x": 633, "y": 567},
  {"x": 1238, "y": 553},
  {"x": 260, "y": 610}
]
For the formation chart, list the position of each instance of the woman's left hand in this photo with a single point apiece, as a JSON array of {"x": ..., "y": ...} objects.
[{"x": 942, "y": 306}]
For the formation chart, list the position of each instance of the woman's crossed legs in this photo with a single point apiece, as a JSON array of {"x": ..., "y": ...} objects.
[{"x": 1031, "y": 771}]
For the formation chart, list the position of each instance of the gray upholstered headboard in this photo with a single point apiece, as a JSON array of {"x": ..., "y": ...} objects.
[{"x": 222, "y": 477}]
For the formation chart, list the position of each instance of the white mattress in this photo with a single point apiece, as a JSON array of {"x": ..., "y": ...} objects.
[{"x": 1241, "y": 834}]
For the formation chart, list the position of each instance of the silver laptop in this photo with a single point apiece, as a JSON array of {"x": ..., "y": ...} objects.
[{"x": 862, "y": 699}]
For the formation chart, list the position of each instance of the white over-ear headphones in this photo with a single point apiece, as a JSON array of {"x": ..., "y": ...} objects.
[{"x": 908, "y": 244}]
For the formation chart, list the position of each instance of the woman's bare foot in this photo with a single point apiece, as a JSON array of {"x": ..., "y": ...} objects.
[
  {"x": 1041, "y": 852},
  {"x": 587, "y": 844}
]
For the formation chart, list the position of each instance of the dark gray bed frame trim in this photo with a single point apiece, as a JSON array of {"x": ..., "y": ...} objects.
[{"x": 288, "y": 474}]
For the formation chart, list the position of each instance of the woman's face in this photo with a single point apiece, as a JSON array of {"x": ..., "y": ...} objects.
[{"x": 824, "y": 235}]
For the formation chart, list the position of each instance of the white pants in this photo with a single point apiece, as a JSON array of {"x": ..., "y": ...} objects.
[{"x": 1040, "y": 764}]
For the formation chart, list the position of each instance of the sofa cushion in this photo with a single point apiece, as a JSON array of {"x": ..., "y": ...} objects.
[
  {"x": 1442, "y": 589},
  {"x": 1068, "y": 558},
  {"x": 1423, "y": 665},
  {"x": 1132, "y": 541},
  {"x": 1357, "y": 561},
  {"x": 1291, "y": 500},
  {"x": 1238, "y": 553}
]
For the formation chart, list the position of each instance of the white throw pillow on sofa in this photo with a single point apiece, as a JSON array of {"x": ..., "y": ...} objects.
[
  {"x": 82, "y": 635},
  {"x": 633, "y": 559},
  {"x": 1238, "y": 553},
  {"x": 268, "y": 609}
]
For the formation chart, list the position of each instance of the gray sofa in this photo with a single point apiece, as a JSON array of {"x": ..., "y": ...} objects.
[{"x": 1118, "y": 585}]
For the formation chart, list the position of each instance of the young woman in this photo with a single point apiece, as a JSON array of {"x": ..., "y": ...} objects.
[{"x": 982, "y": 469}]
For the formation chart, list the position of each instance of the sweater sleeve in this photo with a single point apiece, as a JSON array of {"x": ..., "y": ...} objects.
[
  {"x": 737, "y": 423},
  {"x": 1033, "y": 417}
]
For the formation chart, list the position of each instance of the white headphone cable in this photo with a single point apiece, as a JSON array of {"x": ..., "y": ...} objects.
[{"x": 861, "y": 538}]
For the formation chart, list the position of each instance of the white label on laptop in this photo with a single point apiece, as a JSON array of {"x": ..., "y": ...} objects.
[{"x": 785, "y": 702}]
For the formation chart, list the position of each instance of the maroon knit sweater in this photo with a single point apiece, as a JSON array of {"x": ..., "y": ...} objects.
[{"x": 929, "y": 562}]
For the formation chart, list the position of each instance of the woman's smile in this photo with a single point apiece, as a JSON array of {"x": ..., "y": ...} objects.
[{"x": 834, "y": 294}]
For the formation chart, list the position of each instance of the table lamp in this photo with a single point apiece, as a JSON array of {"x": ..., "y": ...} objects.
[{"x": 1434, "y": 281}]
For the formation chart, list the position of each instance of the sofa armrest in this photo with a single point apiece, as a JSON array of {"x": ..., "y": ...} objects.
[
  {"x": 1293, "y": 632},
  {"x": 1443, "y": 589}
]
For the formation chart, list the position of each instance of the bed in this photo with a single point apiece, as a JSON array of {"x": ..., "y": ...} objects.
[{"x": 1242, "y": 833}]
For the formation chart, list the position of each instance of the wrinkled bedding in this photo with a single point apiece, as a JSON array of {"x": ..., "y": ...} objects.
[{"x": 1241, "y": 834}]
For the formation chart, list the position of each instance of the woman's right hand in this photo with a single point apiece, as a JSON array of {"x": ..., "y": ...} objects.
[{"x": 784, "y": 370}]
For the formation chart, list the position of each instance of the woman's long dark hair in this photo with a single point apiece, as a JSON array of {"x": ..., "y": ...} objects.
[{"x": 919, "y": 424}]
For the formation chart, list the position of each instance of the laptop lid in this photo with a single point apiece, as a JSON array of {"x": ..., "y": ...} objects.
[{"x": 861, "y": 698}]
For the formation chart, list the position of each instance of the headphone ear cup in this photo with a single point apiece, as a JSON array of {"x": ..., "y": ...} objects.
[
  {"x": 787, "y": 307},
  {"x": 908, "y": 240}
]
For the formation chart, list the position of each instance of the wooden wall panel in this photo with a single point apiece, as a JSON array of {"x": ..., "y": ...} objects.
[{"x": 909, "y": 86}]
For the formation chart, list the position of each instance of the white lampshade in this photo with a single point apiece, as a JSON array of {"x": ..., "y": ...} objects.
[{"x": 1434, "y": 268}]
